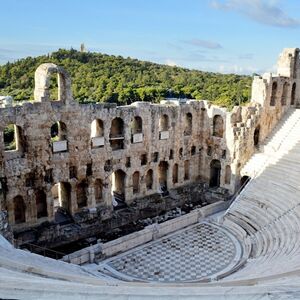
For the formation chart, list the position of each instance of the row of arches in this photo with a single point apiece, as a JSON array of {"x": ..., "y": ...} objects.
[
  {"x": 14, "y": 138},
  {"x": 284, "y": 95}
]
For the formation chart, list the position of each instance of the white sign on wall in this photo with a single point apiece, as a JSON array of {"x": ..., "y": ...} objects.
[
  {"x": 137, "y": 138},
  {"x": 60, "y": 146},
  {"x": 164, "y": 135},
  {"x": 97, "y": 141}
]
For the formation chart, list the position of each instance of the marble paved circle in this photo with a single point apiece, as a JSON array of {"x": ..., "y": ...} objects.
[{"x": 192, "y": 254}]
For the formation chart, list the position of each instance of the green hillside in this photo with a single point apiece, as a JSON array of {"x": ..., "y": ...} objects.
[{"x": 98, "y": 77}]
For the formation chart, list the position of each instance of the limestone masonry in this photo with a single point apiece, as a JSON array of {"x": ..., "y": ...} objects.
[{"x": 96, "y": 158}]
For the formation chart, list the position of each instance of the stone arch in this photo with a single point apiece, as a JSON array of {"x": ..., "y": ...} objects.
[
  {"x": 149, "y": 179},
  {"x": 42, "y": 80},
  {"x": 41, "y": 204},
  {"x": 186, "y": 170},
  {"x": 61, "y": 194},
  {"x": 188, "y": 124},
  {"x": 164, "y": 123},
  {"x": 97, "y": 128},
  {"x": 98, "y": 190},
  {"x": 13, "y": 138},
  {"x": 19, "y": 210},
  {"x": 97, "y": 133},
  {"x": 227, "y": 174},
  {"x": 293, "y": 94},
  {"x": 244, "y": 180},
  {"x": 175, "y": 174},
  {"x": 273, "y": 94},
  {"x": 256, "y": 135},
  {"x": 81, "y": 194},
  {"x": 215, "y": 173},
  {"x": 58, "y": 133},
  {"x": 163, "y": 173},
  {"x": 135, "y": 182},
  {"x": 218, "y": 126},
  {"x": 118, "y": 182},
  {"x": 284, "y": 93},
  {"x": 137, "y": 125},
  {"x": 117, "y": 134}
]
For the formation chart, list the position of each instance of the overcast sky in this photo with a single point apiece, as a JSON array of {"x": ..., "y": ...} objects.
[{"x": 240, "y": 36}]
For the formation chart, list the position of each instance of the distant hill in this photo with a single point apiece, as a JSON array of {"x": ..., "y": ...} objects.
[{"x": 99, "y": 77}]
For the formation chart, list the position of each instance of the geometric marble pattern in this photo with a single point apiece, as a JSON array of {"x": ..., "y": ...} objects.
[{"x": 195, "y": 253}]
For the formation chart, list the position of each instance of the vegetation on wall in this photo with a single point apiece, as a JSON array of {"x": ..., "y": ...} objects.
[{"x": 99, "y": 77}]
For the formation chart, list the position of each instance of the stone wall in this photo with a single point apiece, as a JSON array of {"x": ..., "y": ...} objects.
[{"x": 132, "y": 150}]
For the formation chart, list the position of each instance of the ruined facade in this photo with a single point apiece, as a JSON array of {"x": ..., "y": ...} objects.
[{"x": 96, "y": 156}]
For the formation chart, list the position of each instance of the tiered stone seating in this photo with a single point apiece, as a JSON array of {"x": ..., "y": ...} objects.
[{"x": 268, "y": 209}]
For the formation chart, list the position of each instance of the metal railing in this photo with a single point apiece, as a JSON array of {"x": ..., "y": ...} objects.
[{"x": 43, "y": 251}]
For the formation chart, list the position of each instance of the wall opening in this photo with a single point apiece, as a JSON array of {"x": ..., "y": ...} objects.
[
  {"x": 215, "y": 173},
  {"x": 98, "y": 190},
  {"x": 284, "y": 93},
  {"x": 72, "y": 172},
  {"x": 164, "y": 123},
  {"x": 59, "y": 137},
  {"x": 155, "y": 157},
  {"x": 41, "y": 204},
  {"x": 188, "y": 124},
  {"x": 13, "y": 138},
  {"x": 227, "y": 174},
  {"x": 163, "y": 174},
  {"x": 97, "y": 133},
  {"x": 135, "y": 182},
  {"x": 149, "y": 180},
  {"x": 293, "y": 94},
  {"x": 61, "y": 194},
  {"x": 180, "y": 152},
  {"x": 186, "y": 170},
  {"x": 244, "y": 180},
  {"x": 53, "y": 86},
  {"x": 19, "y": 210},
  {"x": 256, "y": 135},
  {"x": 118, "y": 188},
  {"x": 117, "y": 134},
  {"x": 144, "y": 159},
  {"x": 273, "y": 94},
  {"x": 175, "y": 174},
  {"x": 171, "y": 155},
  {"x": 137, "y": 125},
  {"x": 193, "y": 150},
  {"x": 218, "y": 126},
  {"x": 81, "y": 194}
]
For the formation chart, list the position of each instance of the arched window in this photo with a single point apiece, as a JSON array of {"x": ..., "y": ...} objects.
[
  {"x": 52, "y": 83},
  {"x": 273, "y": 94},
  {"x": 59, "y": 137},
  {"x": 186, "y": 170},
  {"x": 244, "y": 181},
  {"x": 117, "y": 134},
  {"x": 98, "y": 190},
  {"x": 164, "y": 127},
  {"x": 284, "y": 93},
  {"x": 163, "y": 173},
  {"x": 118, "y": 188},
  {"x": 19, "y": 210},
  {"x": 137, "y": 130},
  {"x": 41, "y": 204},
  {"x": 227, "y": 174},
  {"x": 149, "y": 180},
  {"x": 256, "y": 135},
  {"x": 293, "y": 94},
  {"x": 188, "y": 124},
  {"x": 81, "y": 194},
  {"x": 175, "y": 174},
  {"x": 13, "y": 138},
  {"x": 61, "y": 194},
  {"x": 218, "y": 126},
  {"x": 136, "y": 182},
  {"x": 97, "y": 133},
  {"x": 215, "y": 172}
]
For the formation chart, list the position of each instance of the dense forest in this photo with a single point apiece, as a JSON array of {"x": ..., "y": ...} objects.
[{"x": 99, "y": 77}]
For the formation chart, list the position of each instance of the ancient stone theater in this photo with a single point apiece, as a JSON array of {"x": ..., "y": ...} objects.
[{"x": 177, "y": 200}]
